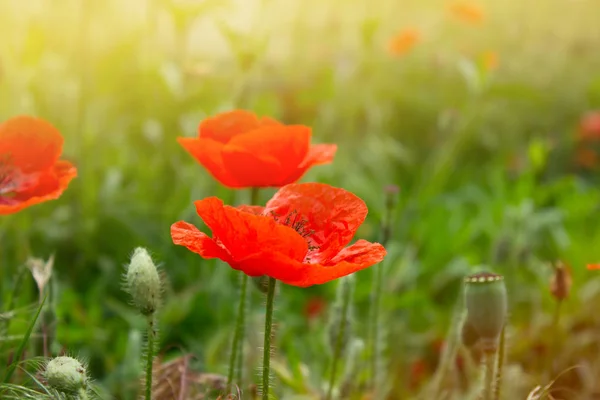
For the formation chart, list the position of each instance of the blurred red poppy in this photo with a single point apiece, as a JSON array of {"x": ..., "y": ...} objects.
[
  {"x": 589, "y": 126},
  {"x": 241, "y": 150},
  {"x": 593, "y": 266},
  {"x": 299, "y": 238},
  {"x": 314, "y": 307},
  {"x": 30, "y": 169},
  {"x": 403, "y": 41},
  {"x": 468, "y": 12}
]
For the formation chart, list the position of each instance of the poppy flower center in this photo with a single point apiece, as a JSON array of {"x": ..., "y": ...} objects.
[
  {"x": 7, "y": 176},
  {"x": 297, "y": 223}
]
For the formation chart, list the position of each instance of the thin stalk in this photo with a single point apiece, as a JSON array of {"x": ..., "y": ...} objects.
[
  {"x": 150, "y": 356},
  {"x": 488, "y": 382},
  {"x": 236, "y": 345},
  {"x": 82, "y": 394},
  {"x": 500, "y": 364},
  {"x": 339, "y": 341},
  {"x": 267, "y": 344}
]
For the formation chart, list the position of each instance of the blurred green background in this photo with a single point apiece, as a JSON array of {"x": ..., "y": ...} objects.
[{"x": 476, "y": 121}]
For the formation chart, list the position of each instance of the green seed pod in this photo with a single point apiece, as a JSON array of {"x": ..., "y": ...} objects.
[
  {"x": 261, "y": 283},
  {"x": 486, "y": 302},
  {"x": 468, "y": 334},
  {"x": 66, "y": 375},
  {"x": 143, "y": 282}
]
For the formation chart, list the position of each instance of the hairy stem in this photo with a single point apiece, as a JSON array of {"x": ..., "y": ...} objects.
[
  {"x": 339, "y": 340},
  {"x": 266, "y": 370},
  {"x": 237, "y": 343},
  {"x": 82, "y": 394},
  {"x": 500, "y": 365},
  {"x": 150, "y": 356},
  {"x": 488, "y": 373}
]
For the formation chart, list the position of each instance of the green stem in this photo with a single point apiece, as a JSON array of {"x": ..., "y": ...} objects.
[
  {"x": 339, "y": 341},
  {"x": 500, "y": 365},
  {"x": 150, "y": 356},
  {"x": 82, "y": 394},
  {"x": 267, "y": 344},
  {"x": 488, "y": 383},
  {"x": 236, "y": 345}
]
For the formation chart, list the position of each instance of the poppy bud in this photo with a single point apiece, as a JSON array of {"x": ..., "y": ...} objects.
[
  {"x": 261, "y": 282},
  {"x": 143, "y": 282},
  {"x": 486, "y": 302},
  {"x": 560, "y": 283},
  {"x": 391, "y": 194},
  {"x": 66, "y": 375}
]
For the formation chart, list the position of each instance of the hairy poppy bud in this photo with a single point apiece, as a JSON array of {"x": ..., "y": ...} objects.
[
  {"x": 486, "y": 302},
  {"x": 143, "y": 282},
  {"x": 66, "y": 375},
  {"x": 560, "y": 283}
]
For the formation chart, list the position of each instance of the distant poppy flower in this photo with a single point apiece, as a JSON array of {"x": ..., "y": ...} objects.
[
  {"x": 468, "y": 12},
  {"x": 593, "y": 266},
  {"x": 314, "y": 307},
  {"x": 403, "y": 41},
  {"x": 589, "y": 126},
  {"x": 561, "y": 281},
  {"x": 30, "y": 169},
  {"x": 241, "y": 150},
  {"x": 299, "y": 238}
]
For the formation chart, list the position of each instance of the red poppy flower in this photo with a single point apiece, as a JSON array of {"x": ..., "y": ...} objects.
[
  {"x": 241, "y": 150},
  {"x": 299, "y": 238},
  {"x": 468, "y": 12},
  {"x": 593, "y": 266},
  {"x": 589, "y": 126},
  {"x": 30, "y": 169},
  {"x": 403, "y": 41}
]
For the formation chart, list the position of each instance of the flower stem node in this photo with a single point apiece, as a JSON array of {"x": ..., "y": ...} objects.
[
  {"x": 486, "y": 302},
  {"x": 143, "y": 282},
  {"x": 66, "y": 375}
]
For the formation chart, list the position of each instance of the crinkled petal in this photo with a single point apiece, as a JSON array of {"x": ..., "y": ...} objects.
[
  {"x": 244, "y": 234},
  {"x": 224, "y": 126},
  {"x": 357, "y": 257},
  {"x": 187, "y": 235},
  {"x": 208, "y": 153},
  {"x": 29, "y": 144},
  {"x": 329, "y": 216},
  {"x": 318, "y": 154},
  {"x": 49, "y": 185},
  {"x": 268, "y": 155},
  {"x": 256, "y": 210}
]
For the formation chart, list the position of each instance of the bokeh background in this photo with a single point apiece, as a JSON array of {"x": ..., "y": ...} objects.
[{"x": 474, "y": 110}]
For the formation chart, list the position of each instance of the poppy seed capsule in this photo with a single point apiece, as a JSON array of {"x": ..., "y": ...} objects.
[
  {"x": 143, "y": 282},
  {"x": 486, "y": 302},
  {"x": 66, "y": 375}
]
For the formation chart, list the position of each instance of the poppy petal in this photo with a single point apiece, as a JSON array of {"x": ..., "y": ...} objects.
[
  {"x": 187, "y": 235},
  {"x": 49, "y": 186},
  {"x": 267, "y": 156},
  {"x": 244, "y": 234},
  {"x": 256, "y": 210},
  {"x": 224, "y": 126},
  {"x": 593, "y": 266},
  {"x": 359, "y": 256},
  {"x": 30, "y": 144},
  {"x": 208, "y": 153},
  {"x": 318, "y": 154},
  {"x": 329, "y": 216}
]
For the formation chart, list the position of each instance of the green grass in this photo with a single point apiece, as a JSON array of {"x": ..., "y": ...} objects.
[{"x": 122, "y": 83}]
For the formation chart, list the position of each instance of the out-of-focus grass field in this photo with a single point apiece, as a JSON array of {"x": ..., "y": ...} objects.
[{"x": 485, "y": 157}]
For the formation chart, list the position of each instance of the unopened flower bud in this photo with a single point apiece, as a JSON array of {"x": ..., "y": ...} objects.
[
  {"x": 143, "y": 282},
  {"x": 486, "y": 302},
  {"x": 66, "y": 375},
  {"x": 560, "y": 283},
  {"x": 340, "y": 323}
]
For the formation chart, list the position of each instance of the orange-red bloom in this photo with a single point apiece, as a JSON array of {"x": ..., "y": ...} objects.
[
  {"x": 589, "y": 126},
  {"x": 30, "y": 169},
  {"x": 299, "y": 238},
  {"x": 241, "y": 150},
  {"x": 403, "y": 42},
  {"x": 593, "y": 266},
  {"x": 468, "y": 12}
]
